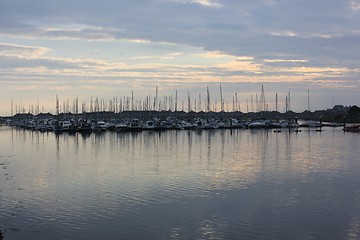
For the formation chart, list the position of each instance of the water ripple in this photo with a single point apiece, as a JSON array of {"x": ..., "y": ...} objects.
[{"x": 180, "y": 185}]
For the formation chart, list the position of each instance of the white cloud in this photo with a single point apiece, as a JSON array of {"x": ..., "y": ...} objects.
[
  {"x": 285, "y": 60},
  {"x": 284, "y": 33},
  {"x": 303, "y": 34},
  {"x": 355, "y": 5},
  {"x": 238, "y": 66},
  {"x": 22, "y": 51},
  {"x": 85, "y": 33},
  {"x": 213, "y": 54},
  {"x": 207, "y": 3}
]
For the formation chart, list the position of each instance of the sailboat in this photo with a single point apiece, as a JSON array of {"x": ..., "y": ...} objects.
[{"x": 310, "y": 123}]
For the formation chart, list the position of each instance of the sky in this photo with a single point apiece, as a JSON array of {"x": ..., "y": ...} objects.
[{"x": 105, "y": 49}]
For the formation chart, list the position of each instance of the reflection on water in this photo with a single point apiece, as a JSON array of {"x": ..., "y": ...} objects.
[{"x": 221, "y": 184}]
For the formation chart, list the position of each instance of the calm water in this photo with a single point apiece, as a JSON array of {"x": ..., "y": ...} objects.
[{"x": 221, "y": 184}]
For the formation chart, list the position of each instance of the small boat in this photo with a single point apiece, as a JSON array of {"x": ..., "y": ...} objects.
[
  {"x": 310, "y": 124},
  {"x": 256, "y": 124},
  {"x": 149, "y": 125},
  {"x": 64, "y": 126},
  {"x": 121, "y": 127},
  {"x": 84, "y": 127},
  {"x": 211, "y": 124},
  {"x": 352, "y": 128},
  {"x": 100, "y": 126},
  {"x": 135, "y": 126},
  {"x": 184, "y": 125},
  {"x": 200, "y": 124}
]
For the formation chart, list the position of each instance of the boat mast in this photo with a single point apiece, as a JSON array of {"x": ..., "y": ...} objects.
[
  {"x": 236, "y": 102},
  {"x": 176, "y": 101},
  {"x": 308, "y": 100},
  {"x": 221, "y": 99},
  {"x": 251, "y": 103},
  {"x": 12, "y": 113},
  {"x": 156, "y": 98},
  {"x": 257, "y": 103},
  {"x": 189, "y": 102},
  {"x": 57, "y": 105},
  {"x": 262, "y": 104},
  {"x": 289, "y": 101},
  {"x": 91, "y": 105},
  {"x": 199, "y": 103},
  {"x": 233, "y": 104},
  {"x": 77, "y": 105},
  {"x": 132, "y": 100},
  {"x": 208, "y": 99},
  {"x": 38, "y": 107}
]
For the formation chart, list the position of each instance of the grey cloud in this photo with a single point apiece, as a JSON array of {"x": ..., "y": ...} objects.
[
  {"x": 84, "y": 33},
  {"x": 239, "y": 27}
]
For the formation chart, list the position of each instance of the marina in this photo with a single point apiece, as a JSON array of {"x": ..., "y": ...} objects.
[
  {"x": 179, "y": 120},
  {"x": 154, "y": 114},
  {"x": 155, "y": 124}
]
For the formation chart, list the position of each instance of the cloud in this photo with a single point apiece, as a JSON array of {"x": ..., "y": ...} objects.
[
  {"x": 284, "y": 33},
  {"x": 81, "y": 33},
  {"x": 253, "y": 28},
  {"x": 85, "y": 33},
  {"x": 239, "y": 66},
  {"x": 143, "y": 57},
  {"x": 21, "y": 51},
  {"x": 27, "y": 57},
  {"x": 206, "y": 3},
  {"x": 302, "y": 35},
  {"x": 171, "y": 55},
  {"x": 213, "y": 54},
  {"x": 285, "y": 61},
  {"x": 228, "y": 69},
  {"x": 355, "y": 5}
]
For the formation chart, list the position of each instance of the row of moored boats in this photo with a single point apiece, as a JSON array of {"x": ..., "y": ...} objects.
[{"x": 92, "y": 125}]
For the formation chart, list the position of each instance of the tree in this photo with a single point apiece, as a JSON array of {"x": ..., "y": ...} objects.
[{"x": 354, "y": 111}]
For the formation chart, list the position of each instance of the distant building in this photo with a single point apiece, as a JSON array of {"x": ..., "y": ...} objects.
[{"x": 338, "y": 108}]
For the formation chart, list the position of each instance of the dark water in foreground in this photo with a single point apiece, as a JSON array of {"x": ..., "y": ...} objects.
[{"x": 221, "y": 184}]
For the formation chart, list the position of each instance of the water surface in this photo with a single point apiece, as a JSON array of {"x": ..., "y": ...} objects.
[{"x": 219, "y": 184}]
